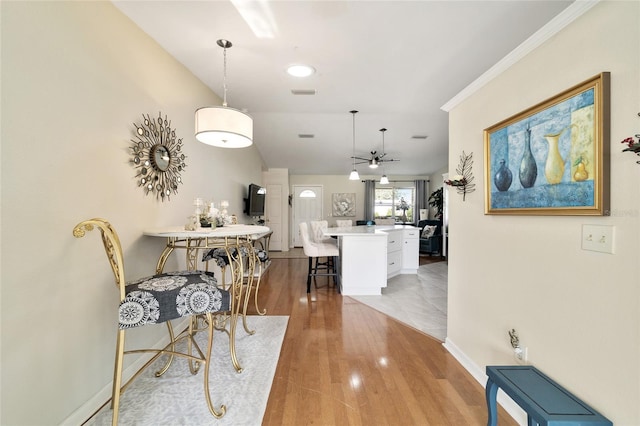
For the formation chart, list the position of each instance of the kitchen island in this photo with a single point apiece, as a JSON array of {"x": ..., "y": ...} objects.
[{"x": 369, "y": 255}]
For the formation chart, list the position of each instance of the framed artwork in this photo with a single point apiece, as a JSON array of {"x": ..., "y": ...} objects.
[
  {"x": 343, "y": 204},
  {"x": 553, "y": 158}
]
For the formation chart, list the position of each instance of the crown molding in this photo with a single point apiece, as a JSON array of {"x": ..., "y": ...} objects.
[{"x": 554, "y": 26}]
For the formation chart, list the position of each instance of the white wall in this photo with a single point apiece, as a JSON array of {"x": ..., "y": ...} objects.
[
  {"x": 333, "y": 184},
  {"x": 339, "y": 183},
  {"x": 75, "y": 76},
  {"x": 578, "y": 312}
]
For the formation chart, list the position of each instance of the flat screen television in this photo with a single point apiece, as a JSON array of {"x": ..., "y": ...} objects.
[{"x": 254, "y": 203}]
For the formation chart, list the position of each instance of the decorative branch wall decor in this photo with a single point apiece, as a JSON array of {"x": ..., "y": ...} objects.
[
  {"x": 463, "y": 181},
  {"x": 157, "y": 156}
]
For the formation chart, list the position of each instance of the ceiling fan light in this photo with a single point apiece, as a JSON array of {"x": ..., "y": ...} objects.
[
  {"x": 354, "y": 175},
  {"x": 223, "y": 127},
  {"x": 384, "y": 180},
  {"x": 373, "y": 163}
]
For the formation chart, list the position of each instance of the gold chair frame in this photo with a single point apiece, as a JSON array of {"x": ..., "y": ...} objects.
[
  {"x": 248, "y": 283},
  {"x": 113, "y": 250},
  {"x": 253, "y": 274}
]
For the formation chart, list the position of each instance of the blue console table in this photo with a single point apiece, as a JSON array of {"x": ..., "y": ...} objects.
[{"x": 545, "y": 401}]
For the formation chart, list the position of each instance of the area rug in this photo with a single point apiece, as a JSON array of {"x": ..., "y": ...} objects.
[{"x": 177, "y": 398}]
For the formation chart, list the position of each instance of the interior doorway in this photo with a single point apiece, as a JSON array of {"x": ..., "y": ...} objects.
[
  {"x": 274, "y": 215},
  {"x": 307, "y": 205}
]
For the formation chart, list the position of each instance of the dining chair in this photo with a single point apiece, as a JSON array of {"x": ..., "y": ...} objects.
[
  {"x": 159, "y": 299},
  {"x": 315, "y": 251},
  {"x": 344, "y": 223},
  {"x": 250, "y": 282}
]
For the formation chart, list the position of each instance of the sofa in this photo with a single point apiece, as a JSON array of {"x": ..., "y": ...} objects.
[{"x": 430, "y": 244}]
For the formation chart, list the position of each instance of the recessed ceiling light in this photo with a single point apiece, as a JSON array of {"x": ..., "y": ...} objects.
[{"x": 300, "y": 70}]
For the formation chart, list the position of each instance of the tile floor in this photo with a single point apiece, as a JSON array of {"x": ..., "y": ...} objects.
[{"x": 419, "y": 301}]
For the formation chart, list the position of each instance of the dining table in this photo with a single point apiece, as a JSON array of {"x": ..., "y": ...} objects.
[{"x": 237, "y": 243}]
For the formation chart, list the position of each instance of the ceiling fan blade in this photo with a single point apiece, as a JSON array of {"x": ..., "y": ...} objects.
[{"x": 360, "y": 158}]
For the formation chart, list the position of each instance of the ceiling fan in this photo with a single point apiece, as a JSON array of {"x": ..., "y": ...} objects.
[{"x": 375, "y": 159}]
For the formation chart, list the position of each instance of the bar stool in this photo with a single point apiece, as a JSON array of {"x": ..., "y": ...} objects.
[{"x": 315, "y": 251}]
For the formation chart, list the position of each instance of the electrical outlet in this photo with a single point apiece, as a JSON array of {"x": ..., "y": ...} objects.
[{"x": 597, "y": 238}]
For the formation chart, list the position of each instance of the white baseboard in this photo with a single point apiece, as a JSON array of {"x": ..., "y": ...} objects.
[
  {"x": 507, "y": 403},
  {"x": 93, "y": 404}
]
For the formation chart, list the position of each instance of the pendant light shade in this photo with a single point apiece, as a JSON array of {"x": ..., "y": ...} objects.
[
  {"x": 354, "y": 173},
  {"x": 223, "y": 126},
  {"x": 384, "y": 180}
]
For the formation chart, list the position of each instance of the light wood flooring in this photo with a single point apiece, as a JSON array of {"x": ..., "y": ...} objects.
[{"x": 344, "y": 363}]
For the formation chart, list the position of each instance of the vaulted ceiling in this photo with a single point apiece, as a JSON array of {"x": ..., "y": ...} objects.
[{"x": 396, "y": 62}]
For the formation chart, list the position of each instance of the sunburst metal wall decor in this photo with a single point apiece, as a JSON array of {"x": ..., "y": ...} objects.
[{"x": 157, "y": 156}]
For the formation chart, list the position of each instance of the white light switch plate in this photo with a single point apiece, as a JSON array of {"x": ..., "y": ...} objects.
[{"x": 597, "y": 238}]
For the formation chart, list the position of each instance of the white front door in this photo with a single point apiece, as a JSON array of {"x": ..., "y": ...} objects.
[{"x": 307, "y": 205}]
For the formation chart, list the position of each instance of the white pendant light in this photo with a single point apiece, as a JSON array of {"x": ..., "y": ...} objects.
[
  {"x": 223, "y": 126},
  {"x": 384, "y": 180},
  {"x": 354, "y": 173}
]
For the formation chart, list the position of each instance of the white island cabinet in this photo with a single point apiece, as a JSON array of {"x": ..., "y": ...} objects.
[
  {"x": 410, "y": 250},
  {"x": 371, "y": 254}
]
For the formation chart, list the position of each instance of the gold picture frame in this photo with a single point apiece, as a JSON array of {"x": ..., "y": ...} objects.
[{"x": 553, "y": 158}]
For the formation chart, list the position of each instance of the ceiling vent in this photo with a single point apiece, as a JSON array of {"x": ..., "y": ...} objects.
[
  {"x": 419, "y": 137},
  {"x": 303, "y": 91},
  {"x": 306, "y": 136}
]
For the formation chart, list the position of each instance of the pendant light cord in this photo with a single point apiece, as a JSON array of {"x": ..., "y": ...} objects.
[
  {"x": 353, "y": 113},
  {"x": 224, "y": 44},
  {"x": 224, "y": 81}
]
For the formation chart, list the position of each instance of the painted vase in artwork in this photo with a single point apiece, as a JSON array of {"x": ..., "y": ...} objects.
[
  {"x": 554, "y": 167},
  {"x": 528, "y": 167},
  {"x": 503, "y": 177}
]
